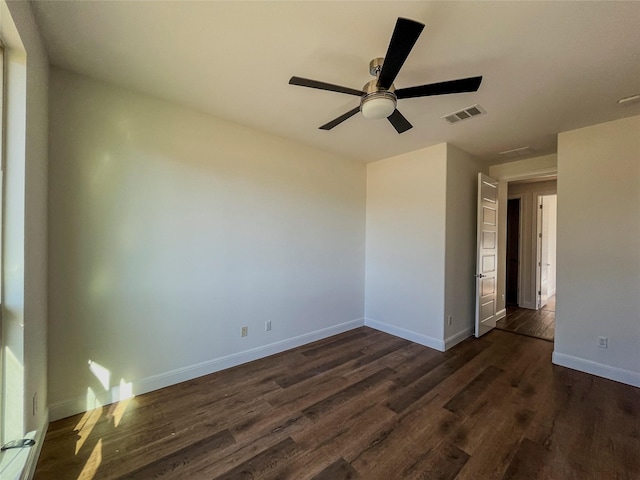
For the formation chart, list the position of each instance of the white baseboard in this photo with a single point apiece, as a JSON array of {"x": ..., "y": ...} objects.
[
  {"x": 599, "y": 369},
  {"x": 406, "y": 334},
  {"x": 501, "y": 314},
  {"x": 76, "y": 405},
  {"x": 456, "y": 338}
]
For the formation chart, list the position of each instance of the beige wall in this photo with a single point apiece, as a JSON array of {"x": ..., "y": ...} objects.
[
  {"x": 421, "y": 241},
  {"x": 171, "y": 229},
  {"x": 406, "y": 208},
  {"x": 535, "y": 167},
  {"x": 461, "y": 244},
  {"x": 598, "y": 250}
]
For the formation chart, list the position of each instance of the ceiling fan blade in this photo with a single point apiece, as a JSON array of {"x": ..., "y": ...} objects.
[
  {"x": 398, "y": 121},
  {"x": 340, "y": 119},
  {"x": 461, "y": 85},
  {"x": 404, "y": 37},
  {"x": 305, "y": 82}
]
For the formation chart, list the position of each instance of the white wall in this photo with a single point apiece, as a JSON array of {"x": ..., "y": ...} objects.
[
  {"x": 405, "y": 273},
  {"x": 598, "y": 278},
  {"x": 527, "y": 271},
  {"x": 171, "y": 229},
  {"x": 24, "y": 315},
  {"x": 461, "y": 245}
]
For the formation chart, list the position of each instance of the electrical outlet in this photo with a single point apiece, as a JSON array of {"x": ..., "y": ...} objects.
[
  {"x": 603, "y": 342},
  {"x": 449, "y": 319},
  {"x": 267, "y": 326},
  {"x": 245, "y": 331}
]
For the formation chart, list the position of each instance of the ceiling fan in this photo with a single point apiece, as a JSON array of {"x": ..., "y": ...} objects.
[{"x": 378, "y": 97}]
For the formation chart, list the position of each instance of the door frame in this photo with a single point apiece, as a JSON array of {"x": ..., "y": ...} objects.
[{"x": 503, "y": 192}]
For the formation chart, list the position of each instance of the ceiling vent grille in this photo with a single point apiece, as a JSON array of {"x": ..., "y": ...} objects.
[
  {"x": 464, "y": 114},
  {"x": 517, "y": 152}
]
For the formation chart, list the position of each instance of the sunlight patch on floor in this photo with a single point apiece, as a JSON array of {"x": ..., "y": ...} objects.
[
  {"x": 85, "y": 428},
  {"x": 119, "y": 410},
  {"x": 93, "y": 463}
]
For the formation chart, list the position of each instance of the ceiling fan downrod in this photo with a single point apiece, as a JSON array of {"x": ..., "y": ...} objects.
[{"x": 377, "y": 102}]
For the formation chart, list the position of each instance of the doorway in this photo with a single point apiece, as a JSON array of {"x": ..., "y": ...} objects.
[
  {"x": 530, "y": 260},
  {"x": 513, "y": 251}
]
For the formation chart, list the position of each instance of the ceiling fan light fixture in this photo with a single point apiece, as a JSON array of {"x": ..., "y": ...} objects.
[{"x": 378, "y": 105}]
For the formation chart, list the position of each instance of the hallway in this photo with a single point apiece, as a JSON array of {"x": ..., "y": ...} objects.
[{"x": 532, "y": 323}]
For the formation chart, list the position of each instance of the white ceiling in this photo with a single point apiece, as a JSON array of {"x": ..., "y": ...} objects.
[{"x": 548, "y": 67}]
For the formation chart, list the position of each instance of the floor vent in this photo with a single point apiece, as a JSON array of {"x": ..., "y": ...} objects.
[{"x": 465, "y": 113}]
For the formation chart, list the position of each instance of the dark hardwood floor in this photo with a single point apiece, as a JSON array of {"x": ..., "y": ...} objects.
[
  {"x": 533, "y": 323},
  {"x": 365, "y": 405}
]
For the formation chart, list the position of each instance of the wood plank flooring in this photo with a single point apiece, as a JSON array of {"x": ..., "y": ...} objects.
[
  {"x": 365, "y": 405},
  {"x": 533, "y": 323}
]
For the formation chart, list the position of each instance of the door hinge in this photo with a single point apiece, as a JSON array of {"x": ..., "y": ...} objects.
[{"x": 539, "y": 292}]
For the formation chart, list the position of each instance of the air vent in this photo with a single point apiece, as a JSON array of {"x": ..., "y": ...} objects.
[
  {"x": 517, "y": 152},
  {"x": 629, "y": 100},
  {"x": 465, "y": 113}
]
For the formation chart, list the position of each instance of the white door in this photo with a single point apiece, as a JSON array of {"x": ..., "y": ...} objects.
[
  {"x": 545, "y": 238},
  {"x": 487, "y": 256},
  {"x": 543, "y": 261}
]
